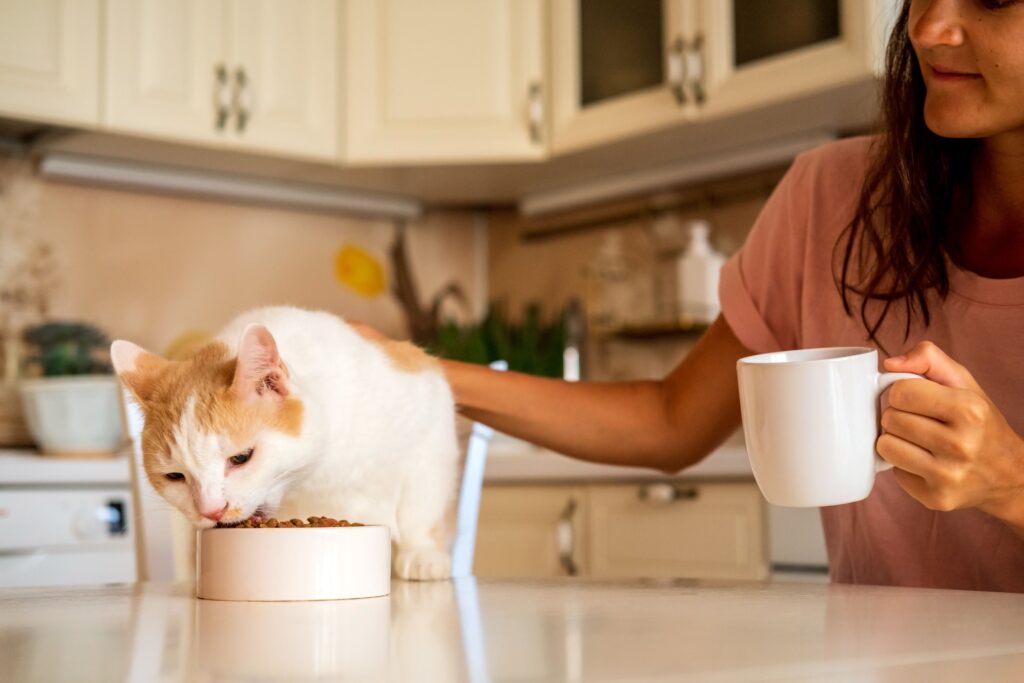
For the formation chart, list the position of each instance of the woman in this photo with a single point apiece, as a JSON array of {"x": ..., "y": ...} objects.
[{"x": 912, "y": 242}]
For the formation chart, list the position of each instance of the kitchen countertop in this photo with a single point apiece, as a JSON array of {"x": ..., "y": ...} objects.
[
  {"x": 25, "y": 466},
  {"x": 490, "y": 630},
  {"x": 511, "y": 460}
]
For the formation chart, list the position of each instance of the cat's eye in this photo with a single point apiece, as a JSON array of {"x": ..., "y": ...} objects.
[
  {"x": 241, "y": 458},
  {"x": 175, "y": 476}
]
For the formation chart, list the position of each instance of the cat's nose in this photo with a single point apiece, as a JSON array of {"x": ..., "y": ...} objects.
[{"x": 214, "y": 513}]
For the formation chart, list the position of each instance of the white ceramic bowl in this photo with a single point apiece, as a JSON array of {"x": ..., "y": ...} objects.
[{"x": 320, "y": 563}]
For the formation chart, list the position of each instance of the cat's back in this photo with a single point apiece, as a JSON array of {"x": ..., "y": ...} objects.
[
  {"x": 318, "y": 342},
  {"x": 297, "y": 331}
]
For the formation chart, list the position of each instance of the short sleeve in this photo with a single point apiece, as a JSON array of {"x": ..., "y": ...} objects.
[{"x": 760, "y": 288}]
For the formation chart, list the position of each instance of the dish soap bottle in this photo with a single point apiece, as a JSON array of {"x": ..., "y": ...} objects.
[{"x": 698, "y": 270}]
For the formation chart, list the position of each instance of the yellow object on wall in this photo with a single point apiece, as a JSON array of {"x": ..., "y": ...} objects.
[{"x": 359, "y": 270}]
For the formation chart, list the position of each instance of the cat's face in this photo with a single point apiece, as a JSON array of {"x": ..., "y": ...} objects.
[{"x": 220, "y": 441}]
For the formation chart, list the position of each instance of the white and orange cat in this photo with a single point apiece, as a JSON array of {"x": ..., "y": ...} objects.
[{"x": 291, "y": 413}]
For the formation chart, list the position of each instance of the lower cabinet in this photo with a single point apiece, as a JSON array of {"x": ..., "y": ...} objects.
[
  {"x": 531, "y": 531},
  {"x": 655, "y": 530}
]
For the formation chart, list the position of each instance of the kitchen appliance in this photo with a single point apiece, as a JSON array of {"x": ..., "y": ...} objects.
[{"x": 65, "y": 522}]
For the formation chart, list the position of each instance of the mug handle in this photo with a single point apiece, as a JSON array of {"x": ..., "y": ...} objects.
[{"x": 882, "y": 382}]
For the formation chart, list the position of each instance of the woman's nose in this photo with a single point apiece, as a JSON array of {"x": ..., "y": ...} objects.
[{"x": 936, "y": 23}]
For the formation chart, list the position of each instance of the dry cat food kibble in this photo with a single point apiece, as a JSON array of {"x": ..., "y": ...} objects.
[{"x": 311, "y": 522}]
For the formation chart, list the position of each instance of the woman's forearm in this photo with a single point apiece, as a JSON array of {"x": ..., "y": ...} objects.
[{"x": 667, "y": 424}]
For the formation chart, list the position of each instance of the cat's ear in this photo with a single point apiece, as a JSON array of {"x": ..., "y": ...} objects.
[
  {"x": 259, "y": 370},
  {"x": 137, "y": 368}
]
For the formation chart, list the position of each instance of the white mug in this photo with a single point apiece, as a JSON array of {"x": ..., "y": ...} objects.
[{"x": 810, "y": 419}]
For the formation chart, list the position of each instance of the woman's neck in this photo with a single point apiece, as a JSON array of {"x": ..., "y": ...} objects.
[{"x": 993, "y": 243}]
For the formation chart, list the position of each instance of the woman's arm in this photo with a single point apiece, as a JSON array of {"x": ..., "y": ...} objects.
[{"x": 668, "y": 424}]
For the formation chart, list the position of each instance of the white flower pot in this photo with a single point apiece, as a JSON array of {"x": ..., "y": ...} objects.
[{"x": 79, "y": 415}]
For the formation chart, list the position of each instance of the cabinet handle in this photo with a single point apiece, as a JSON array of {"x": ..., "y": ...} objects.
[
  {"x": 667, "y": 493},
  {"x": 567, "y": 539},
  {"x": 695, "y": 68},
  {"x": 242, "y": 100},
  {"x": 677, "y": 70},
  {"x": 221, "y": 97},
  {"x": 535, "y": 113}
]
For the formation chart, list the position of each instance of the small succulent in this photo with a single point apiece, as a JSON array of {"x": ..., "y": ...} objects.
[{"x": 67, "y": 348}]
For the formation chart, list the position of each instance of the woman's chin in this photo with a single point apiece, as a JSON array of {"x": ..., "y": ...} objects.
[{"x": 952, "y": 122}]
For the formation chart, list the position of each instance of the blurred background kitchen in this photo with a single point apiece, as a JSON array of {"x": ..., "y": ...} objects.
[{"x": 553, "y": 183}]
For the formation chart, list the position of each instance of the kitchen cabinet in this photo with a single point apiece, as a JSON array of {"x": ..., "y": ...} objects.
[
  {"x": 444, "y": 81},
  {"x": 254, "y": 74},
  {"x": 49, "y": 60},
  {"x": 613, "y": 69},
  {"x": 622, "y": 69},
  {"x": 750, "y": 53},
  {"x": 651, "y": 530},
  {"x": 676, "y": 529},
  {"x": 531, "y": 531}
]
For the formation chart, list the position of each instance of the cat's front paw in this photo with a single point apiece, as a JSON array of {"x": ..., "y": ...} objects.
[{"x": 423, "y": 564}]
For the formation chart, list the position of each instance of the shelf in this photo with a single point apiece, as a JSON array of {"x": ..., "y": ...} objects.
[{"x": 653, "y": 329}]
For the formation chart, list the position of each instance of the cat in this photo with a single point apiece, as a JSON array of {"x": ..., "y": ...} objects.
[{"x": 291, "y": 413}]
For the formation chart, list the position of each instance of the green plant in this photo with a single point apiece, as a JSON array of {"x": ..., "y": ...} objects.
[
  {"x": 532, "y": 345},
  {"x": 67, "y": 348}
]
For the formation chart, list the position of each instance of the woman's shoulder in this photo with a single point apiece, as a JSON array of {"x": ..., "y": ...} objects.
[{"x": 836, "y": 168}]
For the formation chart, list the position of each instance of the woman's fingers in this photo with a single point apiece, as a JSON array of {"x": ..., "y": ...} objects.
[
  {"x": 927, "y": 432},
  {"x": 929, "y": 360},
  {"x": 905, "y": 455}
]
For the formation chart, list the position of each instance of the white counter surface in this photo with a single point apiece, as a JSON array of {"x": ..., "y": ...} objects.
[
  {"x": 486, "y": 630},
  {"x": 517, "y": 461},
  {"x": 22, "y": 466}
]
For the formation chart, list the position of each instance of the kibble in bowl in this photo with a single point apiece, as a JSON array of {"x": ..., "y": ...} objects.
[
  {"x": 309, "y": 522},
  {"x": 318, "y": 558}
]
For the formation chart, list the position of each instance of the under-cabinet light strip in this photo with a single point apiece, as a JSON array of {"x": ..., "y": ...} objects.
[
  {"x": 225, "y": 186},
  {"x": 681, "y": 173}
]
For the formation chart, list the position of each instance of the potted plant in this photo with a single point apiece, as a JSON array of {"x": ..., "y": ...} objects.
[
  {"x": 72, "y": 401},
  {"x": 531, "y": 345}
]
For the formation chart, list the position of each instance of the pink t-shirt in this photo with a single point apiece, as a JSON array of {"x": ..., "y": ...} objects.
[{"x": 778, "y": 293}]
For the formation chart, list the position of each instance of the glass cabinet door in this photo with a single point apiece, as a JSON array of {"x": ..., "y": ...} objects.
[
  {"x": 620, "y": 48},
  {"x": 613, "y": 67},
  {"x": 755, "y": 52},
  {"x": 766, "y": 28}
]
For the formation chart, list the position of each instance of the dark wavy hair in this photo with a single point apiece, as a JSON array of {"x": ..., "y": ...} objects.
[{"x": 916, "y": 190}]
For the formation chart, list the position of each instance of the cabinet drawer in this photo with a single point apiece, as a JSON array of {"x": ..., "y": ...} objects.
[
  {"x": 677, "y": 530},
  {"x": 531, "y": 531}
]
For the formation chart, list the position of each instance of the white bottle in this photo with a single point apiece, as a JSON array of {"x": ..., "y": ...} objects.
[{"x": 698, "y": 276}]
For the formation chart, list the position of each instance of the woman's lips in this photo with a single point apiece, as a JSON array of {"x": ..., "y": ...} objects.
[{"x": 950, "y": 75}]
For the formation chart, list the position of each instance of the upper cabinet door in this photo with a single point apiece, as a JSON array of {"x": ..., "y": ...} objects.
[
  {"x": 444, "y": 81},
  {"x": 284, "y": 76},
  {"x": 617, "y": 69},
  {"x": 49, "y": 60},
  {"x": 167, "y": 69},
  {"x": 750, "y": 53}
]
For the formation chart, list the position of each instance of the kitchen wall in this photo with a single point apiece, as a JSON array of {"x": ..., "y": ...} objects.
[
  {"x": 149, "y": 267},
  {"x": 551, "y": 271}
]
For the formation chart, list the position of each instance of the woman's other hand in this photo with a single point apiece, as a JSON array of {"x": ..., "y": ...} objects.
[{"x": 950, "y": 445}]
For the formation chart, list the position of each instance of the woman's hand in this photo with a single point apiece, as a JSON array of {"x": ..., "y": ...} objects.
[{"x": 949, "y": 444}]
